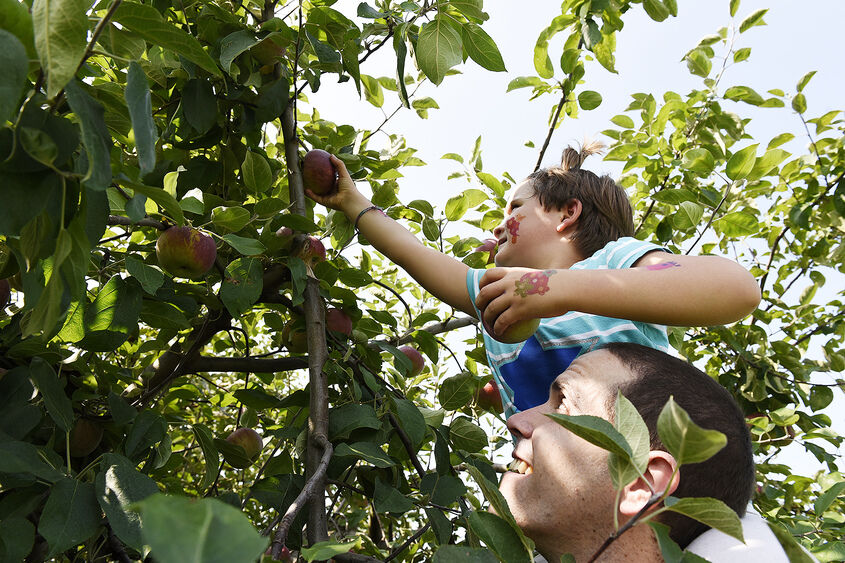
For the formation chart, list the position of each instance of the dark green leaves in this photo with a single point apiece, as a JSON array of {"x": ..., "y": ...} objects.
[
  {"x": 14, "y": 65},
  {"x": 180, "y": 529},
  {"x": 140, "y": 110},
  {"x": 499, "y": 536},
  {"x": 146, "y": 21},
  {"x": 595, "y": 430},
  {"x": 52, "y": 390},
  {"x": 710, "y": 511},
  {"x": 70, "y": 516},
  {"x": 199, "y": 104},
  {"x": 118, "y": 485},
  {"x": 61, "y": 29},
  {"x": 95, "y": 136}
]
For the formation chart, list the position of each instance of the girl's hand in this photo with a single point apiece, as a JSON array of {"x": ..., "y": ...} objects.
[
  {"x": 509, "y": 295},
  {"x": 346, "y": 197}
]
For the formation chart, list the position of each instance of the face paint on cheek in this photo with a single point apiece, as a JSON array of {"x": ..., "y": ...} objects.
[
  {"x": 533, "y": 283},
  {"x": 512, "y": 225},
  {"x": 662, "y": 266}
]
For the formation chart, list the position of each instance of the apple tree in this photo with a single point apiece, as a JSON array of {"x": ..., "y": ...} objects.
[{"x": 241, "y": 388}]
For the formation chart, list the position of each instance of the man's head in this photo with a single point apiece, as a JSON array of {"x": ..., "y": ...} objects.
[{"x": 562, "y": 495}]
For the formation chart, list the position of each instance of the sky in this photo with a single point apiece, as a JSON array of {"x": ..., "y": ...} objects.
[{"x": 799, "y": 37}]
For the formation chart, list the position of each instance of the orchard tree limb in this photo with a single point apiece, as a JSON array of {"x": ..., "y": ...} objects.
[
  {"x": 248, "y": 364},
  {"x": 315, "y": 328},
  {"x": 435, "y": 328},
  {"x": 118, "y": 220},
  {"x": 312, "y": 489}
]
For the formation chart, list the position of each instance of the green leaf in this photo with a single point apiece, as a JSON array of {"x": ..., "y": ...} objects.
[
  {"x": 166, "y": 202},
  {"x": 623, "y": 121},
  {"x": 199, "y": 105},
  {"x": 631, "y": 426},
  {"x": 709, "y": 511},
  {"x": 656, "y": 10},
  {"x": 456, "y": 392},
  {"x": 118, "y": 485},
  {"x": 231, "y": 218},
  {"x": 401, "y": 49},
  {"x": 597, "y": 431},
  {"x": 804, "y": 80},
  {"x": 147, "y": 22},
  {"x": 148, "y": 429},
  {"x": 542, "y": 62},
  {"x": 799, "y": 103},
  {"x": 734, "y": 7},
  {"x": 366, "y": 451},
  {"x": 443, "y": 489},
  {"x": 499, "y": 504},
  {"x": 14, "y": 64},
  {"x": 824, "y": 500},
  {"x": 670, "y": 550},
  {"x": 298, "y": 223},
  {"x": 16, "y": 19},
  {"x": 113, "y": 315},
  {"x": 256, "y": 173},
  {"x": 22, "y": 457},
  {"x": 17, "y": 535},
  {"x": 467, "y": 436},
  {"x": 737, "y": 224},
  {"x": 180, "y": 529},
  {"x": 242, "y": 285},
  {"x": 698, "y": 63},
  {"x": 463, "y": 554},
  {"x": 140, "y": 110},
  {"x": 481, "y": 48},
  {"x": 244, "y": 245},
  {"x": 95, "y": 136},
  {"x": 233, "y": 45},
  {"x": 741, "y": 162},
  {"x": 524, "y": 82},
  {"x": 52, "y": 389},
  {"x": 349, "y": 417},
  {"x": 325, "y": 550},
  {"x": 456, "y": 207},
  {"x": 209, "y": 452},
  {"x": 71, "y": 515},
  {"x": 61, "y": 35},
  {"x": 499, "y": 536},
  {"x": 685, "y": 440},
  {"x": 756, "y": 18},
  {"x": 589, "y": 99},
  {"x": 439, "y": 48},
  {"x": 388, "y": 499},
  {"x": 699, "y": 160},
  {"x": 744, "y": 94},
  {"x": 150, "y": 277}
]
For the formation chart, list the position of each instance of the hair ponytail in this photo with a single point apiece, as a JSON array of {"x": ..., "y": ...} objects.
[{"x": 572, "y": 159}]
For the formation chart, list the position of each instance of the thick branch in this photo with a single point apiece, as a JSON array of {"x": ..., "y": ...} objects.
[
  {"x": 310, "y": 490},
  {"x": 118, "y": 220},
  {"x": 438, "y": 328}
]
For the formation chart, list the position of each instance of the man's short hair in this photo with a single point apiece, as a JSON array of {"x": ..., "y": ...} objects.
[
  {"x": 729, "y": 475},
  {"x": 606, "y": 213}
]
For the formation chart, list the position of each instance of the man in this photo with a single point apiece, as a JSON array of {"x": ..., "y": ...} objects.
[{"x": 560, "y": 492}]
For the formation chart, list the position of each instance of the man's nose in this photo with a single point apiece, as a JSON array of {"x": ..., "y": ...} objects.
[{"x": 521, "y": 424}]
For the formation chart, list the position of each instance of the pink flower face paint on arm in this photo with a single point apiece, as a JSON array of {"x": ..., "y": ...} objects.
[
  {"x": 512, "y": 225},
  {"x": 663, "y": 266},
  {"x": 533, "y": 283}
]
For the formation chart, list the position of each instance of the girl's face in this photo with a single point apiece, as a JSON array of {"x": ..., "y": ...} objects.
[{"x": 528, "y": 231}]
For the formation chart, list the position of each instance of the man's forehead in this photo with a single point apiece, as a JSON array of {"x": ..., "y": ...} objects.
[{"x": 598, "y": 372}]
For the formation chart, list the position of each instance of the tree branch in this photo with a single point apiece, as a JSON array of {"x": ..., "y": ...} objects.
[
  {"x": 247, "y": 364},
  {"x": 552, "y": 128},
  {"x": 309, "y": 491},
  {"x": 118, "y": 220}
]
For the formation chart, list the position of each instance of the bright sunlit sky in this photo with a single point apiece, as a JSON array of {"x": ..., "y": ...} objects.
[{"x": 799, "y": 37}]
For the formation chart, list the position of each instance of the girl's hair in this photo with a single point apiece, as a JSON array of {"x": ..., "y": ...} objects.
[{"x": 606, "y": 213}]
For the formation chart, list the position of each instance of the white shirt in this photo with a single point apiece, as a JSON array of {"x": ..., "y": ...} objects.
[{"x": 760, "y": 544}]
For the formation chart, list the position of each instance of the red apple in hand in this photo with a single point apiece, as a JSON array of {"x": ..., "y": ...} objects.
[
  {"x": 318, "y": 173},
  {"x": 488, "y": 398},
  {"x": 338, "y": 321},
  {"x": 417, "y": 361},
  {"x": 249, "y": 440},
  {"x": 185, "y": 252},
  {"x": 5, "y": 293}
]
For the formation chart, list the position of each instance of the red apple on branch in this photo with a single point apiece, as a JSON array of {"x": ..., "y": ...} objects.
[
  {"x": 417, "y": 361},
  {"x": 185, "y": 252},
  {"x": 318, "y": 172},
  {"x": 488, "y": 398},
  {"x": 249, "y": 440},
  {"x": 312, "y": 251},
  {"x": 338, "y": 321}
]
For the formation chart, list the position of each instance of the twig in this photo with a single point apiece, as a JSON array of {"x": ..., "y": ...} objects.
[
  {"x": 126, "y": 221},
  {"x": 307, "y": 491},
  {"x": 399, "y": 297},
  {"x": 249, "y": 364},
  {"x": 552, "y": 128},
  {"x": 655, "y": 498},
  {"x": 408, "y": 542},
  {"x": 409, "y": 447}
]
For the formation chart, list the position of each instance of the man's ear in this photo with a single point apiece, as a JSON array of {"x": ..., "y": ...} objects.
[
  {"x": 660, "y": 474},
  {"x": 569, "y": 214}
]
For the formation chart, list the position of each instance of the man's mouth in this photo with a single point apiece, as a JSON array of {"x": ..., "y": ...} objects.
[{"x": 521, "y": 467}]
